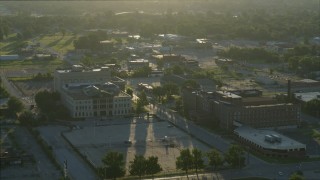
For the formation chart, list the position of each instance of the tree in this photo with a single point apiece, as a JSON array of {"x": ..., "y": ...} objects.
[
  {"x": 3, "y": 92},
  {"x": 179, "y": 105},
  {"x": 160, "y": 63},
  {"x": 312, "y": 107},
  {"x": 140, "y": 106},
  {"x": 26, "y": 118},
  {"x": 129, "y": 91},
  {"x": 235, "y": 156},
  {"x": 184, "y": 161},
  {"x": 296, "y": 176},
  {"x": 14, "y": 105},
  {"x": 142, "y": 72},
  {"x": 197, "y": 160},
  {"x": 152, "y": 165},
  {"x": 49, "y": 104},
  {"x": 143, "y": 97},
  {"x": 46, "y": 100},
  {"x": 215, "y": 159},
  {"x": 191, "y": 83},
  {"x": 159, "y": 92},
  {"x": 114, "y": 165},
  {"x": 170, "y": 89},
  {"x": 177, "y": 69},
  {"x": 138, "y": 166},
  {"x": 87, "y": 61}
]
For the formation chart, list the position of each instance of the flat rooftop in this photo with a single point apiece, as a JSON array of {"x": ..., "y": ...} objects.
[
  {"x": 139, "y": 61},
  {"x": 257, "y": 100},
  {"x": 268, "y": 105},
  {"x": 90, "y": 70},
  {"x": 229, "y": 95},
  {"x": 307, "y": 96},
  {"x": 257, "y": 136},
  {"x": 77, "y": 93}
]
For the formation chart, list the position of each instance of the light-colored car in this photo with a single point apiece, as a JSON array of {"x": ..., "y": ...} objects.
[{"x": 280, "y": 173}]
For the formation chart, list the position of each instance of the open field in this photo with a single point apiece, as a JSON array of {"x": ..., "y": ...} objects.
[
  {"x": 9, "y": 45},
  {"x": 147, "y": 138},
  {"x": 44, "y": 65},
  {"x": 58, "y": 42}
]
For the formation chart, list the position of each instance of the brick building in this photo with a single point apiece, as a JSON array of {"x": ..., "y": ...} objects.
[{"x": 231, "y": 109}]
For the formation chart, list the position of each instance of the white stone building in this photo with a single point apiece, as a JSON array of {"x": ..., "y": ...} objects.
[{"x": 89, "y": 93}]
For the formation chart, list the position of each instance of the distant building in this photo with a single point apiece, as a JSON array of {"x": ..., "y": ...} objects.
[
  {"x": 306, "y": 85},
  {"x": 173, "y": 59},
  {"x": 222, "y": 61},
  {"x": 145, "y": 87},
  {"x": 305, "y": 97},
  {"x": 270, "y": 143},
  {"x": 193, "y": 64},
  {"x": 43, "y": 56},
  {"x": 9, "y": 57},
  {"x": 137, "y": 64},
  {"x": 156, "y": 73}
]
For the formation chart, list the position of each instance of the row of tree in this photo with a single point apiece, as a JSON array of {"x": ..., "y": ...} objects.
[
  {"x": 303, "y": 58},
  {"x": 42, "y": 77},
  {"x": 4, "y": 29},
  {"x": 249, "y": 54},
  {"x": 3, "y": 92},
  {"x": 261, "y": 24},
  {"x": 312, "y": 107},
  {"x": 114, "y": 164}
]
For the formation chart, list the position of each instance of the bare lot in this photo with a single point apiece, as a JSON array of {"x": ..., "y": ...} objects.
[{"x": 132, "y": 137}]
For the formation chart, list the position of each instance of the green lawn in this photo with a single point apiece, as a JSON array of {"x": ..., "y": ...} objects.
[
  {"x": 39, "y": 64},
  {"x": 58, "y": 42},
  {"x": 10, "y": 45}
]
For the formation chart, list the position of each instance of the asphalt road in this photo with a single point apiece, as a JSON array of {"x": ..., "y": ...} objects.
[{"x": 77, "y": 168}]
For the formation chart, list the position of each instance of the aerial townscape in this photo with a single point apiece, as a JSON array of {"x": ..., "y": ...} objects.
[{"x": 160, "y": 89}]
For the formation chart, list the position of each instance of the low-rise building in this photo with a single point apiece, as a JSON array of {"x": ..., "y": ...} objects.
[
  {"x": 270, "y": 143},
  {"x": 193, "y": 64},
  {"x": 156, "y": 73},
  {"x": 305, "y": 97},
  {"x": 145, "y": 87},
  {"x": 137, "y": 64},
  {"x": 9, "y": 57}
]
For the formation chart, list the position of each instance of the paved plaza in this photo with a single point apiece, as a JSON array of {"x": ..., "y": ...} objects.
[{"x": 131, "y": 137}]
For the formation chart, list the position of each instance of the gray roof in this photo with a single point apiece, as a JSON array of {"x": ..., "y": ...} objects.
[
  {"x": 257, "y": 136},
  {"x": 307, "y": 96}
]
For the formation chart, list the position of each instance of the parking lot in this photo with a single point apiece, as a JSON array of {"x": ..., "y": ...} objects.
[{"x": 132, "y": 137}]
